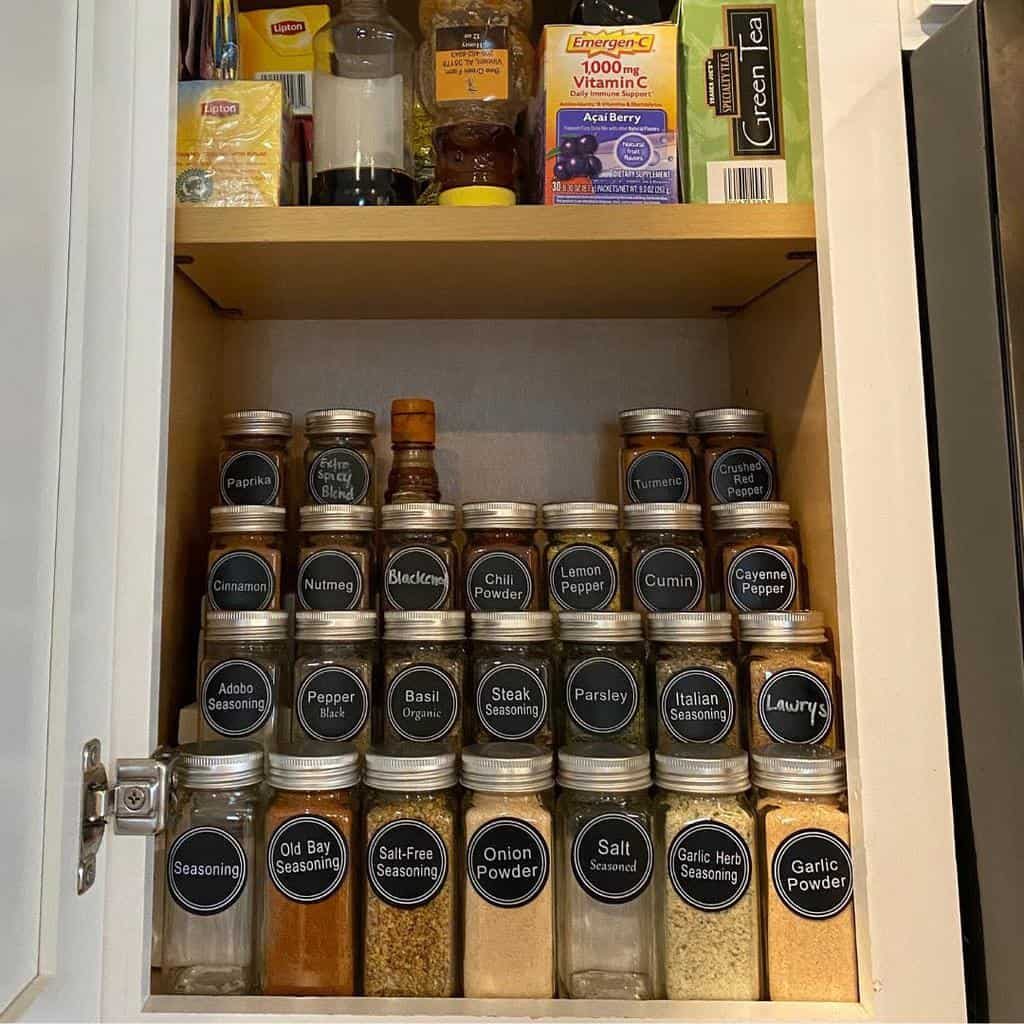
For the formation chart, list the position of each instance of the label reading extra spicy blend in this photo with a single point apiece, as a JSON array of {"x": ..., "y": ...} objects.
[
  {"x": 407, "y": 863},
  {"x": 332, "y": 704},
  {"x": 330, "y": 581},
  {"x": 499, "y": 582},
  {"x": 511, "y": 701},
  {"x": 709, "y": 865},
  {"x": 697, "y": 706},
  {"x": 668, "y": 580},
  {"x": 416, "y": 579},
  {"x": 307, "y": 858},
  {"x": 338, "y": 476},
  {"x": 249, "y": 478},
  {"x": 761, "y": 580},
  {"x": 657, "y": 476},
  {"x": 812, "y": 872},
  {"x": 240, "y": 581},
  {"x": 507, "y": 862},
  {"x": 206, "y": 870},
  {"x": 612, "y": 858},
  {"x": 795, "y": 706},
  {"x": 583, "y": 578},
  {"x": 742, "y": 474},
  {"x": 422, "y": 703},
  {"x": 237, "y": 698},
  {"x": 602, "y": 695}
]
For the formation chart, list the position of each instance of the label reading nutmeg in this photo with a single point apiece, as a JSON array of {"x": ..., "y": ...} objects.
[
  {"x": 249, "y": 478},
  {"x": 237, "y": 698},
  {"x": 416, "y": 579},
  {"x": 206, "y": 870},
  {"x": 511, "y": 701},
  {"x": 507, "y": 862},
  {"x": 422, "y": 703},
  {"x": 499, "y": 582},
  {"x": 697, "y": 706},
  {"x": 761, "y": 580},
  {"x": 795, "y": 706},
  {"x": 612, "y": 857},
  {"x": 583, "y": 578},
  {"x": 307, "y": 858},
  {"x": 338, "y": 476},
  {"x": 602, "y": 695},
  {"x": 330, "y": 581},
  {"x": 668, "y": 579},
  {"x": 742, "y": 474},
  {"x": 240, "y": 581},
  {"x": 407, "y": 863},
  {"x": 332, "y": 704},
  {"x": 812, "y": 873},
  {"x": 709, "y": 865},
  {"x": 657, "y": 476}
]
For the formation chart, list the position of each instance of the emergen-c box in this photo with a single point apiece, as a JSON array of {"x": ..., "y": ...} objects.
[{"x": 605, "y": 118}]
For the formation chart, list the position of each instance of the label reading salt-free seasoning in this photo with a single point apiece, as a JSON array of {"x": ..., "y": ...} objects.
[
  {"x": 206, "y": 870},
  {"x": 583, "y": 578},
  {"x": 709, "y": 864},
  {"x": 499, "y": 582},
  {"x": 249, "y": 478},
  {"x": 657, "y": 476},
  {"x": 697, "y": 706},
  {"x": 742, "y": 474},
  {"x": 511, "y": 702},
  {"x": 507, "y": 862},
  {"x": 602, "y": 695},
  {"x": 795, "y": 706},
  {"x": 332, "y": 704},
  {"x": 758, "y": 129},
  {"x": 338, "y": 476},
  {"x": 471, "y": 63},
  {"x": 240, "y": 581},
  {"x": 612, "y": 858},
  {"x": 416, "y": 579},
  {"x": 423, "y": 703},
  {"x": 407, "y": 863},
  {"x": 761, "y": 580},
  {"x": 812, "y": 872},
  {"x": 668, "y": 580},
  {"x": 330, "y": 581},
  {"x": 237, "y": 698},
  {"x": 307, "y": 858}
]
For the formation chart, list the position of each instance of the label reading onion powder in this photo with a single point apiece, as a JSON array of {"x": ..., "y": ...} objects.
[
  {"x": 812, "y": 872},
  {"x": 507, "y": 862},
  {"x": 407, "y": 863},
  {"x": 206, "y": 870},
  {"x": 709, "y": 865},
  {"x": 249, "y": 478},
  {"x": 612, "y": 858},
  {"x": 307, "y": 858}
]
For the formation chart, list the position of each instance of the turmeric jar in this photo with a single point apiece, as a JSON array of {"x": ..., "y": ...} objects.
[
  {"x": 254, "y": 457},
  {"x": 739, "y": 461},
  {"x": 501, "y": 560},
  {"x": 244, "y": 565},
  {"x": 339, "y": 457},
  {"x": 655, "y": 460},
  {"x": 666, "y": 557},
  {"x": 581, "y": 560},
  {"x": 336, "y": 558}
]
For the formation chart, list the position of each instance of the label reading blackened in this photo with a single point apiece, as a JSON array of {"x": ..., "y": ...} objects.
[
  {"x": 338, "y": 476},
  {"x": 657, "y": 476},
  {"x": 499, "y": 582},
  {"x": 511, "y": 701},
  {"x": 742, "y": 474},
  {"x": 697, "y": 706},
  {"x": 583, "y": 578},
  {"x": 416, "y": 579},
  {"x": 758, "y": 129},
  {"x": 240, "y": 581},
  {"x": 330, "y": 581},
  {"x": 602, "y": 695},
  {"x": 709, "y": 865},
  {"x": 237, "y": 698},
  {"x": 612, "y": 857},
  {"x": 812, "y": 872},
  {"x": 332, "y": 704},
  {"x": 507, "y": 862},
  {"x": 795, "y": 706},
  {"x": 761, "y": 580},
  {"x": 407, "y": 863},
  {"x": 423, "y": 703},
  {"x": 668, "y": 580},
  {"x": 206, "y": 870},
  {"x": 249, "y": 478},
  {"x": 307, "y": 858}
]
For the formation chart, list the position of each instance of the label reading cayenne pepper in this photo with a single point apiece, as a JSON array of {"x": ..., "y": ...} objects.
[{"x": 471, "y": 62}]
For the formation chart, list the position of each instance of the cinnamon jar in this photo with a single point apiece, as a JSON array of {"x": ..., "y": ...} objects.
[
  {"x": 339, "y": 458},
  {"x": 419, "y": 559},
  {"x": 254, "y": 457},
  {"x": 244, "y": 564},
  {"x": 336, "y": 558},
  {"x": 739, "y": 461},
  {"x": 501, "y": 560},
  {"x": 655, "y": 460}
]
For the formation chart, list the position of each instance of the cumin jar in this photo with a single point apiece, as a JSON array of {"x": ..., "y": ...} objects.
[
  {"x": 739, "y": 460},
  {"x": 244, "y": 564},
  {"x": 418, "y": 557},
  {"x": 666, "y": 559},
  {"x": 655, "y": 458},
  {"x": 254, "y": 457},
  {"x": 581, "y": 558},
  {"x": 501, "y": 560},
  {"x": 339, "y": 459},
  {"x": 336, "y": 560}
]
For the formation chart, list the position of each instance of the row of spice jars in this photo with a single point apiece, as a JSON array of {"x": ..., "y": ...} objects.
[{"x": 617, "y": 894}]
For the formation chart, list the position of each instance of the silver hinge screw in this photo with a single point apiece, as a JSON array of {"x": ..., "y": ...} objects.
[{"x": 135, "y": 798}]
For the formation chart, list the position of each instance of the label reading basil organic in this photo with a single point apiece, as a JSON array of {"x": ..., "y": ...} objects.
[
  {"x": 742, "y": 474},
  {"x": 657, "y": 476},
  {"x": 338, "y": 476},
  {"x": 761, "y": 580},
  {"x": 240, "y": 581},
  {"x": 206, "y": 870},
  {"x": 583, "y": 578},
  {"x": 423, "y": 703},
  {"x": 249, "y": 478},
  {"x": 416, "y": 579},
  {"x": 795, "y": 706},
  {"x": 407, "y": 863},
  {"x": 499, "y": 582},
  {"x": 332, "y": 704},
  {"x": 307, "y": 858},
  {"x": 507, "y": 862},
  {"x": 511, "y": 702},
  {"x": 758, "y": 129},
  {"x": 330, "y": 581},
  {"x": 612, "y": 858},
  {"x": 668, "y": 580},
  {"x": 710, "y": 865},
  {"x": 237, "y": 698},
  {"x": 602, "y": 695},
  {"x": 697, "y": 706},
  {"x": 812, "y": 872}
]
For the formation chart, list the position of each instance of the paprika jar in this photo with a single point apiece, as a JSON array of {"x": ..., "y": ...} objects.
[
  {"x": 581, "y": 558},
  {"x": 244, "y": 565},
  {"x": 666, "y": 560},
  {"x": 501, "y": 560},
  {"x": 339, "y": 458},
  {"x": 254, "y": 457},
  {"x": 419, "y": 559},
  {"x": 739, "y": 460},
  {"x": 655, "y": 459},
  {"x": 336, "y": 564}
]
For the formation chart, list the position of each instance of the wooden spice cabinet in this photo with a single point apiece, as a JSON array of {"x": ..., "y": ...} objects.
[{"x": 530, "y": 328}]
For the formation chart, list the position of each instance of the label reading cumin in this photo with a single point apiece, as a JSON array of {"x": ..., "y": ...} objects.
[
  {"x": 507, "y": 862},
  {"x": 307, "y": 858},
  {"x": 511, "y": 702},
  {"x": 761, "y": 580},
  {"x": 416, "y": 579},
  {"x": 206, "y": 870},
  {"x": 812, "y": 872},
  {"x": 240, "y": 581},
  {"x": 338, "y": 476},
  {"x": 249, "y": 478},
  {"x": 795, "y": 706},
  {"x": 697, "y": 706},
  {"x": 237, "y": 698},
  {"x": 407, "y": 862},
  {"x": 602, "y": 695},
  {"x": 583, "y": 578},
  {"x": 330, "y": 581},
  {"x": 332, "y": 704},
  {"x": 668, "y": 580},
  {"x": 612, "y": 858},
  {"x": 422, "y": 703},
  {"x": 709, "y": 865},
  {"x": 657, "y": 476}
]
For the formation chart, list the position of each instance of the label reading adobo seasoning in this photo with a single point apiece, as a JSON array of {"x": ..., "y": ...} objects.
[
  {"x": 511, "y": 702},
  {"x": 583, "y": 578},
  {"x": 338, "y": 476},
  {"x": 812, "y": 872},
  {"x": 416, "y": 579},
  {"x": 612, "y": 858},
  {"x": 206, "y": 870},
  {"x": 795, "y": 706},
  {"x": 237, "y": 698},
  {"x": 499, "y": 582},
  {"x": 657, "y": 476},
  {"x": 240, "y": 581},
  {"x": 332, "y": 704},
  {"x": 668, "y": 580},
  {"x": 407, "y": 863},
  {"x": 249, "y": 478},
  {"x": 423, "y": 703},
  {"x": 601, "y": 695},
  {"x": 758, "y": 129},
  {"x": 307, "y": 858},
  {"x": 330, "y": 581},
  {"x": 507, "y": 862},
  {"x": 697, "y": 706},
  {"x": 761, "y": 580},
  {"x": 742, "y": 474},
  {"x": 709, "y": 864}
]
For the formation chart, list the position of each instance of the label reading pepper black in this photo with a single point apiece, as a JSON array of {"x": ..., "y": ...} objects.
[
  {"x": 307, "y": 858},
  {"x": 709, "y": 865},
  {"x": 249, "y": 478},
  {"x": 668, "y": 580},
  {"x": 795, "y": 706},
  {"x": 330, "y": 581},
  {"x": 761, "y": 580},
  {"x": 697, "y": 706},
  {"x": 206, "y": 870},
  {"x": 511, "y": 702},
  {"x": 507, "y": 862},
  {"x": 407, "y": 863},
  {"x": 237, "y": 698},
  {"x": 812, "y": 872},
  {"x": 240, "y": 581},
  {"x": 499, "y": 582},
  {"x": 612, "y": 858},
  {"x": 583, "y": 578},
  {"x": 601, "y": 695},
  {"x": 338, "y": 476},
  {"x": 742, "y": 474},
  {"x": 423, "y": 703},
  {"x": 416, "y": 579},
  {"x": 332, "y": 704},
  {"x": 657, "y": 476}
]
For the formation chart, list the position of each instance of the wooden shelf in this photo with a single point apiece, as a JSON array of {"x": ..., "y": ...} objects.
[{"x": 528, "y": 261}]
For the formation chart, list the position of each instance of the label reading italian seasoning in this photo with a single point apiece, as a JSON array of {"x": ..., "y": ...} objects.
[
  {"x": 602, "y": 695},
  {"x": 416, "y": 579},
  {"x": 507, "y": 862},
  {"x": 338, "y": 476},
  {"x": 249, "y": 478},
  {"x": 206, "y": 870},
  {"x": 657, "y": 476},
  {"x": 307, "y": 858},
  {"x": 499, "y": 582},
  {"x": 240, "y": 581},
  {"x": 511, "y": 702},
  {"x": 332, "y": 704},
  {"x": 812, "y": 872},
  {"x": 237, "y": 698},
  {"x": 709, "y": 865},
  {"x": 795, "y": 706},
  {"x": 742, "y": 474},
  {"x": 761, "y": 580},
  {"x": 697, "y": 706},
  {"x": 668, "y": 580},
  {"x": 423, "y": 703},
  {"x": 330, "y": 581},
  {"x": 583, "y": 578},
  {"x": 612, "y": 858},
  {"x": 407, "y": 863}
]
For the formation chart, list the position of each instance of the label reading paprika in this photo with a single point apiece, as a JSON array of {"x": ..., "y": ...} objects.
[
  {"x": 249, "y": 478},
  {"x": 601, "y": 695},
  {"x": 338, "y": 476},
  {"x": 407, "y": 863},
  {"x": 697, "y": 706},
  {"x": 657, "y": 476},
  {"x": 423, "y": 703},
  {"x": 668, "y": 580},
  {"x": 795, "y": 706},
  {"x": 332, "y": 704},
  {"x": 613, "y": 857},
  {"x": 471, "y": 62},
  {"x": 583, "y": 578},
  {"x": 511, "y": 702},
  {"x": 709, "y": 865},
  {"x": 237, "y": 698},
  {"x": 240, "y": 581},
  {"x": 761, "y": 580},
  {"x": 499, "y": 582},
  {"x": 812, "y": 872},
  {"x": 507, "y": 862},
  {"x": 307, "y": 858},
  {"x": 330, "y": 581},
  {"x": 742, "y": 474},
  {"x": 206, "y": 870},
  {"x": 416, "y": 579}
]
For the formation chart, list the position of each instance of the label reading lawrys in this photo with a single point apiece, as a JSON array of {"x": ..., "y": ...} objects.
[
  {"x": 612, "y": 858},
  {"x": 338, "y": 476},
  {"x": 422, "y": 703},
  {"x": 249, "y": 478},
  {"x": 237, "y": 698},
  {"x": 697, "y": 706},
  {"x": 471, "y": 62},
  {"x": 307, "y": 858},
  {"x": 330, "y": 581},
  {"x": 507, "y": 862},
  {"x": 761, "y": 580},
  {"x": 668, "y": 580},
  {"x": 742, "y": 474},
  {"x": 758, "y": 129},
  {"x": 657, "y": 476},
  {"x": 709, "y": 865},
  {"x": 812, "y": 872},
  {"x": 332, "y": 704},
  {"x": 795, "y": 706},
  {"x": 240, "y": 581},
  {"x": 601, "y": 695},
  {"x": 206, "y": 870},
  {"x": 407, "y": 863},
  {"x": 499, "y": 582},
  {"x": 416, "y": 579},
  {"x": 511, "y": 702},
  {"x": 583, "y": 578}
]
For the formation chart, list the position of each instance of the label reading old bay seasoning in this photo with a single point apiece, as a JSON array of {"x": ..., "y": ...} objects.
[
  {"x": 507, "y": 861},
  {"x": 612, "y": 858},
  {"x": 206, "y": 870},
  {"x": 471, "y": 62},
  {"x": 307, "y": 858},
  {"x": 237, "y": 698},
  {"x": 583, "y": 578},
  {"x": 407, "y": 862},
  {"x": 249, "y": 478}
]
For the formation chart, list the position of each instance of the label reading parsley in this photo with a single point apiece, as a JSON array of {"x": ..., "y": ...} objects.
[
  {"x": 742, "y": 474},
  {"x": 709, "y": 865},
  {"x": 499, "y": 582},
  {"x": 507, "y": 862},
  {"x": 330, "y": 581},
  {"x": 240, "y": 581},
  {"x": 237, "y": 698},
  {"x": 423, "y": 703},
  {"x": 206, "y": 870},
  {"x": 761, "y": 580},
  {"x": 511, "y": 702},
  {"x": 657, "y": 476},
  {"x": 407, "y": 863},
  {"x": 612, "y": 858},
  {"x": 338, "y": 476},
  {"x": 697, "y": 706},
  {"x": 416, "y": 579},
  {"x": 249, "y": 478},
  {"x": 795, "y": 706},
  {"x": 307, "y": 858},
  {"x": 332, "y": 704},
  {"x": 812, "y": 872},
  {"x": 602, "y": 695},
  {"x": 583, "y": 578},
  {"x": 668, "y": 580}
]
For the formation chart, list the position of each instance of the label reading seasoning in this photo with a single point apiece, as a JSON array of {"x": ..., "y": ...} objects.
[
  {"x": 511, "y": 702},
  {"x": 795, "y": 706},
  {"x": 812, "y": 872},
  {"x": 612, "y": 858},
  {"x": 240, "y": 581},
  {"x": 237, "y": 698},
  {"x": 508, "y": 862},
  {"x": 416, "y": 579},
  {"x": 583, "y": 578},
  {"x": 697, "y": 706},
  {"x": 332, "y": 704},
  {"x": 499, "y": 582},
  {"x": 471, "y": 62},
  {"x": 758, "y": 129},
  {"x": 206, "y": 870},
  {"x": 330, "y": 581},
  {"x": 710, "y": 865},
  {"x": 668, "y": 580},
  {"x": 657, "y": 476},
  {"x": 742, "y": 474},
  {"x": 407, "y": 863},
  {"x": 249, "y": 478},
  {"x": 338, "y": 476},
  {"x": 307, "y": 858},
  {"x": 601, "y": 695},
  {"x": 423, "y": 703},
  {"x": 761, "y": 580}
]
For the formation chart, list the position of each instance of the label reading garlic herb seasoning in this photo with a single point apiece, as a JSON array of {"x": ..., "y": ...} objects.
[
  {"x": 307, "y": 858},
  {"x": 602, "y": 695},
  {"x": 329, "y": 581},
  {"x": 338, "y": 476},
  {"x": 583, "y": 578},
  {"x": 795, "y": 706},
  {"x": 422, "y": 703},
  {"x": 416, "y": 579},
  {"x": 613, "y": 857},
  {"x": 249, "y": 478},
  {"x": 761, "y": 580},
  {"x": 237, "y": 698},
  {"x": 507, "y": 862},
  {"x": 240, "y": 581},
  {"x": 206, "y": 870},
  {"x": 668, "y": 580},
  {"x": 709, "y": 865},
  {"x": 499, "y": 582},
  {"x": 407, "y": 863},
  {"x": 812, "y": 872},
  {"x": 697, "y": 706},
  {"x": 742, "y": 474},
  {"x": 657, "y": 476},
  {"x": 332, "y": 704},
  {"x": 511, "y": 702}
]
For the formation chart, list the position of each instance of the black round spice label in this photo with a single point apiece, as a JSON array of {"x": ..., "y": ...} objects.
[
  {"x": 499, "y": 582},
  {"x": 657, "y": 476},
  {"x": 612, "y": 858},
  {"x": 761, "y": 580},
  {"x": 742, "y": 475},
  {"x": 338, "y": 476},
  {"x": 332, "y": 704},
  {"x": 407, "y": 863},
  {"x": 709, "y": 864},
  {"x": 307, "y": 858},
  {"x": 602, "y": 695},
  {"x": 583, "y": 578},
  {"x": 795, "y": 706},
  {"x": 330, "y": 581},
  {"x": 697, "y": 706},
  {"x": 812, "y": 872},
  {"x": 511, "y": 701},
  {"x": 508, "y": 862},
  {"x": 416, "y": 579},
  {"x": 249, "y": 478},
  {"x": 423, "y": 703},
  {"x": 240, "y": 581},
  {"x": 237, "y": 697},
  {"x": 668, "y": 580},
  {"x": 206, "y": 870}
]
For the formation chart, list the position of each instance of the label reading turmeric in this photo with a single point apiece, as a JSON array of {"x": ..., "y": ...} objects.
[{"x": 471, "y": 62}]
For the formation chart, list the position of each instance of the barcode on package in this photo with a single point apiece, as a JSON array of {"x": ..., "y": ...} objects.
[
  {"x": 298, "y": 88},
  {"x": 747, "y": 181}
]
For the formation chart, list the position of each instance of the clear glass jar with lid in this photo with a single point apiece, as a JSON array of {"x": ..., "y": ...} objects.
[
  {"x": 709, "y": 909},
  {"x": 655, "y": 459},
  {"x": 804, "y": 821},
  {"x": 254, "y": 457},
  {"x": 606, "y": 907},
  {"x": 418, "y": 557},
  {"x": 739, "y": 460},
  {"x": 244, "y": 564},
  {"x": 339, "y": 457},
  {"x": 334, "y": 669},
  {"x": 666, "y": 560},
  {"x": 509, "y": 905},
  {"x": 336, "y": 561},
  {"x": 791, "y": 679},
  {"x": 412, "y": 869},
  {"x": 581, "y": 559},
  {"x": 213, "y": 835},
  {"x": 696, "y": 685},
  {"x": 501, "y": 560}
]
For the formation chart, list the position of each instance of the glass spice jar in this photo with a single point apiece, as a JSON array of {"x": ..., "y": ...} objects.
[
  {"x": 419, "y": 559},
  {"x": 254, "y": 457},
  {"x": 509, "y": 905},
  {"x": 310, "y": 908},
  {"x": 244, "y": 564},
  {"x": 606, "y": 907},
  {"x": 739, "y": 461},
  {"x": 244, "y": 677},
  {"x": 696, "y": 687},
  {"x": 336, "y": 563},
  {"x": 603, "y": 689},
  {"x": 512, "y": 671},
  {"x": 334, "y": 668},
  {"x": 581, "y": 558},
  {"x": 791, "y": 679},
  {"x": 804, "y": 821},
  {"x": 213, "y": 833},
  {"x": 666, "y": 557},
  {"x": 655, "y": 459},
  {"x": 709, "y": 909},
  {"x": 339, "y": 459},
  {"x": 501, "y": 560},
  {"x": 410, "y": 931},
  {"x": 424, "y": 669},
  {"x": 757, "y": 558}
]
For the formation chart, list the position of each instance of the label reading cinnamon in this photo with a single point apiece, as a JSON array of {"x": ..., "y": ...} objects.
[
  {"x": 471, "y": 62},
  {"x": 240, "y": 581}
]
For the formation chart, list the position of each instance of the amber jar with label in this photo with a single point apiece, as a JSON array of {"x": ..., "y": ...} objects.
[
  {"x": 339, "y": 458},
  {"x": 581, "y": 558},
  {"x": 666, "y": 562},
  {"x": 501, "y": 560},
  {"x": 413, "y": 477},
  {"x": 419, "y": 560},
  {"x": 254, "y": 457},
  {"x": 244, "y": 564},
  {"x": 336, "y": 558},
  {"x": 655, "y": 459},
  {"x": 739, "y": 460}
]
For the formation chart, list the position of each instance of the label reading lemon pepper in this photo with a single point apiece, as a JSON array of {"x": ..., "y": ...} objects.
[{"x": 471, "y": 62}]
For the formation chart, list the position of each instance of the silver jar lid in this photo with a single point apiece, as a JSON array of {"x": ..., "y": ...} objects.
[
  {"x": 783, "y": 627},
  {"x": 609, "y": 627},
  {"x": 730, "y": 421},
  {"x": 424, "y": 625},
  {"x": 507, "y": 768},
  {"x": 751, "y": 515},
  {"x": 581, "y": 515},
  {"x": 247, "y": 519},
  {"x": 512, "y": 626},
  {"x": 655, "y": 421},
  {"x": 340, "y": 421},
  {"x": 335, "y": 625},
  {"x": 411, "y": 767},
  {"x": 604, "y": 767},
  {"x": 499, "y": 515},
  {"x": 702, "y": 768},
  {"x": 220, "y": 764},
  {"x": 799, "y": 769},
  {"x": 662, "y": 515},
  {"x": 246, "y": 625},
  {"x": 690, "y": 627},
  {"x": 313, "y": 766},
  {"x": 336, "y": 518},
  {"x": 256, "y": 423},
  {"x": 418, "y": 515}
]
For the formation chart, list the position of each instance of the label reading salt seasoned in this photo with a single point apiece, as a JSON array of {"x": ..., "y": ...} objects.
[
  {"x": 812, "y": 872},
  {"x": 795, "y": 706},
  {"x": 249, "y": 478},
  {"x": 307, "y": 858},
  {"x": 742, "y": 474},
  {"x": 416, "y": 579},
  {"x": 697, "y": 706},
  {"x": 613, "y": 857},
  {"x": 761, "y": 580},
  {"x": 332, "y": 704},
  {"x": 471, "y": 62},
  {"x": 338, "y": 476},
  {"x": 240, "y": 581},
  {"x": 507, "y": 862},
  {"x": 709, "y": 865},
  {"x": 423, "y": 703},
  {"x": 657, "y": 476},
  {"x": 583, "y": 578},
  {"x": 499, "y": 582},
  {"x": 237, "y": 698},
  {"x": 668, "y": 579},
  {"x": 206, "y": 870},
  {"x": 330, "y": 581},
  {"x": 602, "y": 695},
  {"x": 407, "y": 863},
  {"x": 511, "y": 702}
]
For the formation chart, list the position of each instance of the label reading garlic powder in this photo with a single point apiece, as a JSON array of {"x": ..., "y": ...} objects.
[
  {"x": 583, "y": 578},
  {"x": 812, "y": 872},
  {"x": 709, "y": 865},
  {"x": 237, "y": 698},
  {"x": 657, "y": 476},
  {"x": 613, "y": 857},
  {"x": 761, "y": 580},
  {"x": 601, "y": 695},
  {"x": 307, "y": 858},
  {"x": 206, "y": 870},
  {"x": 249, "y": 478},
  {"x": 697, "y": 706},
  {"x": 795, "y": 706},
  {"x": 329, "y": 581},
  {"x": 507, "y": 862},
  {"x": 407, "y": 863},
  {"x": 668, "y": 580}
]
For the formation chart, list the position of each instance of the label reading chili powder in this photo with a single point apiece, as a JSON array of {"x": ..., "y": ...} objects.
[
  {"x": 307, "y": 858},
  {"x": 240, "y": 581},
  {"x": 423, "y": 703},
  {"x": 206, "y": 870},
  {"x": 795, "y": 707},
  {"x": 761, "y": 580},
  {"x": 583, "y": 578},
  {"x": 657, "y": 476},
  {"x": 697, "y": 706},
  {"x": 507, "y": 862},
  {"x": 668, "y": 580},
  {"x": 416, "y": 579},
  {"x": 742, "y": 475},
  {"x": 511, "y": 702},
  {"x": 612, "y": 858},
  {"x": 249, "y": 478},
  {"x": 338, "y": 476},
  {"x": 812, "y": 872},
  {"x": 332, "y": 704},
  {"x": 237, "y": 698},
  {"x": 407, "y": 863},
  {"x": 710, "y": 866},
  {"x": 499, "y": 582},
  {"x": 330, "y": 581},
  {"x": 602, "y": 695}
]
